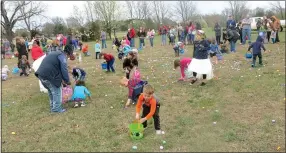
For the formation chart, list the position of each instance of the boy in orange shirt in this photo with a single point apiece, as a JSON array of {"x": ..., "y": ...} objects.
[
  {"x": 150, "y": 106},
  {"x": 85, "y": 50}
]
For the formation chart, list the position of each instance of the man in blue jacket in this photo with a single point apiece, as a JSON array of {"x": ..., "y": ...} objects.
[
  {"x": 230, "y": 24},
  {"x": 53, "y": 72},
  {"x": 256, "y": 50}
]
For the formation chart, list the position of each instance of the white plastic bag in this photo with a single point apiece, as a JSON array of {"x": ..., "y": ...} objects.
[{"x": 35, "y": 66}]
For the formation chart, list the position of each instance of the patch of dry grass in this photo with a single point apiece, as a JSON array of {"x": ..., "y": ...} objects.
[{"x": 245, "y": 107}]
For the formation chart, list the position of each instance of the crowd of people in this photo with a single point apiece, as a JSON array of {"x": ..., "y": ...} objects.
[{"x": 53, "y": 69}]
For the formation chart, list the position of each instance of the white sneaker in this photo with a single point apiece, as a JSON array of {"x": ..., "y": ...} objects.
[
  {"x": 76, "y": 105},
  {"x": 82, "y": 104},
  {"x": 158, "y": 132}
]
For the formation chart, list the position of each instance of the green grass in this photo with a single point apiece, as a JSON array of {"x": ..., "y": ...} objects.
[{"x": 246, "y": 105}]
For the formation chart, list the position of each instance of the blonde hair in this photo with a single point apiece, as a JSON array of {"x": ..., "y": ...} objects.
[{"x": 148, "y": 89}]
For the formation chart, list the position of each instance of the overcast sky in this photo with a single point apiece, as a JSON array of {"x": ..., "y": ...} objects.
[{"x": 64, "y": 8}]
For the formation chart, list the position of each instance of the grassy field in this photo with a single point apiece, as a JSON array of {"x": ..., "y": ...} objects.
[{"x": 243, "y": 101}]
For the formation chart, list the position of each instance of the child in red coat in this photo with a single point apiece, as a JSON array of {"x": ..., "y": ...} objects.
[{"x": 109, "y": 60}]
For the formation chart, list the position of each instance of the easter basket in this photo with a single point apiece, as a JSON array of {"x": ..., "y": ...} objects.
[
  {"x": 248, "y": 55},
  {"x": 67, "y": 93},
  {"x": 136, "y": 130}
]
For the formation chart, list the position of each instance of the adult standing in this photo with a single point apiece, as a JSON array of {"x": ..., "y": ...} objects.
[
  {"x": 230, "y": 23},
  {"x": 258, "y": 24},
  {"x": 103, "y": 39},
  {"x": 36, "y": 50},
  {"x": 275, "y": 27},
  {"x": 150, "y": 35},
  {"x": 69, "y": 45},
  {"x": 52, "y": 73},
  {"x": 21, "y": 48},
  {"x": 180, "y": 31},
  {"x": 132, "y": 36},
  {"x": 246, "y": 29},
  {"x": 172, "y": 35},
  {"x": 163, "y": 32},
  {"x": 141, "y": 34},
  {"x": 267, "y": 27},
  {"x": 217, "y": 30}
]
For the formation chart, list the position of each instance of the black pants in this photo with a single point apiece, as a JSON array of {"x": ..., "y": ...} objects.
[
  {"x": 240, "y": 36},
  {"x": 23, "y": 71},
  {"x": 156, "y": 117},
  {"x": 218, "y": 39},
  {"x": 177, "y": 54},
  {"x": 268, "y": 35},
  {"x": 96, "y": 55},
  {"x": 277, "y": 36},
  {"x": 254, "y": 58},
  {"x": 195, "y": 75}
]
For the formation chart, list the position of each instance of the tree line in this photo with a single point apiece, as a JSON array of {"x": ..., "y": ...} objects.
[{"x": 112, "y": 16}]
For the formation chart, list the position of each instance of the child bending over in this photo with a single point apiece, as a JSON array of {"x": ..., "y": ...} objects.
[
  {"x": 85, "y": 50},
  {"x": 77, "y": 73},
  {"x": 24, "y": 64},
  {"x": 150, "y": 106},
  {"x": 183, "y": 64},
  {"x": 256, "y": 50},
  {"x": 177, "y": 48},
  {"x": 79, "y": 94},
  {"x": 109, "y": 60}
]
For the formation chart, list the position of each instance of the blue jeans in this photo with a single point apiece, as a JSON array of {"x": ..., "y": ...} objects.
[
  {"x": 141, "y": 43},
  {"x": 110, "y": 65},
  {"x": 232, "y": 46},
  {"x": 246, "y": 32},
  {"x": 164, "y": 37},
  {"x": 82, "y": 78},
  {"x": 103, "y": 43},
  {"x": 151, "y": 41},
  {"x": 132, "y": 43},
  {"x": 55, "y": 95}
]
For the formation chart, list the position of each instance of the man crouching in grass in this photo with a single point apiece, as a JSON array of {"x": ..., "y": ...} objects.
[{"x": 151, "y": 108}]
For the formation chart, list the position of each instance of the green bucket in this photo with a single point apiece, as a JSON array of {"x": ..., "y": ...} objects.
[{"x": 136, "y": 131}]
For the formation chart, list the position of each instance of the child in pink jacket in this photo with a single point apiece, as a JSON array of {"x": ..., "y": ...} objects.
[{"x": 183, "y": 63}]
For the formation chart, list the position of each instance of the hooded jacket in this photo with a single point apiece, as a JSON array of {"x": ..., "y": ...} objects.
[
  {"x": 256, "y": 46},
  {"x": 276, "y": 24}
]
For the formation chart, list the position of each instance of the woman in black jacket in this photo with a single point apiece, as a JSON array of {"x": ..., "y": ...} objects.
[{"x": 21, "y": 48}]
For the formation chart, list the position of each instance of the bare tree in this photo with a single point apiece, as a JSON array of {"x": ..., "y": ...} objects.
[
  {"x": 107, "y": 11},
  {"x": 13, "y": 8},
  {"x": 164, "y": 10},
  {"x": 185, "y": 10},
  {"x": 131, "y": 8},
  {"x": 89, "y": 11},
  {"x": 157, "y": 10},
  {"x": 238, "y": 9},
  {"x": 33, "y": 22},
  {"x": 78, "y": 15},
  {"x": 161, "y": 11},
  {"x": 278, "y": 8}
]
